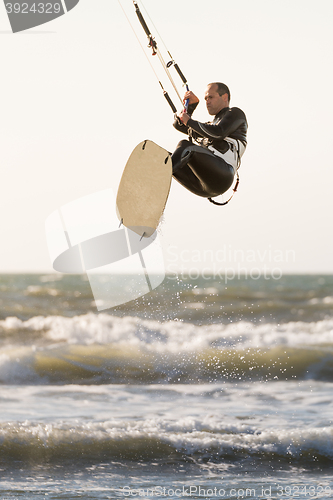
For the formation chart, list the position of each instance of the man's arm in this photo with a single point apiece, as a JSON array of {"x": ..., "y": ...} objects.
[
  {"x": 230, "y": 122},
  {"x": 193, "y": 103}
]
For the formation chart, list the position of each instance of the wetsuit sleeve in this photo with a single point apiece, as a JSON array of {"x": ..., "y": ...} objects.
[
  {"x": 191, "y": 108},
  {"x": 229, "y": 122},
  {"x": 179, "y": 125}
]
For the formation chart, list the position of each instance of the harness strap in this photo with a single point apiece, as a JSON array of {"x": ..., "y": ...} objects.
[
  {"x": 232, "y": 143},
  {"x": 225, "y": 202}
]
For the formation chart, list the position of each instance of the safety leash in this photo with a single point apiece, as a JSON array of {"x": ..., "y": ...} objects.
[{"x": 226, "y": 202}]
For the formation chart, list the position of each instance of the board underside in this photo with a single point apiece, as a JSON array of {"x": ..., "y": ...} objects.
[{"x": 144, "y": 188}]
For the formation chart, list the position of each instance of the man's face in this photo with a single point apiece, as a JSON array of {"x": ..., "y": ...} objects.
[{"x": 214, "y": 101}]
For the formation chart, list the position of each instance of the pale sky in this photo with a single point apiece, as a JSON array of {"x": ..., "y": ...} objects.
[{"x": 78, "y": 95}]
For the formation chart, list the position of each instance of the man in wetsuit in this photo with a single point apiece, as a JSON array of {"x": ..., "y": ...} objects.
[{"x": 207, "y": 162}]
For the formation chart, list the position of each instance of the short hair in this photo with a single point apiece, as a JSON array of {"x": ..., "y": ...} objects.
[{"x": 222, "y": 89}]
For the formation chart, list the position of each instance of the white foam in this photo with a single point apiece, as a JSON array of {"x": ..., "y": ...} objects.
[
  {"x": 188, "y": 436},
  {"x": 172, "y": 336}
]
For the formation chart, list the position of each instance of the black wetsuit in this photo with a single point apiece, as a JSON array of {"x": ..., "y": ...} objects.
[{"x": 195, "y": 166}]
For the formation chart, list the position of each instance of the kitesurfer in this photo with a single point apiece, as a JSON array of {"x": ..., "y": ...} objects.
[{"x": 206, "y": 163}]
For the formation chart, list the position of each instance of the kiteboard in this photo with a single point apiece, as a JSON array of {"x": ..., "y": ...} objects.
[{"x": 144, "y": 188}]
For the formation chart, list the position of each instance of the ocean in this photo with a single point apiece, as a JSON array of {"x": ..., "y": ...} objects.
[{"x": 201, "y": 389}]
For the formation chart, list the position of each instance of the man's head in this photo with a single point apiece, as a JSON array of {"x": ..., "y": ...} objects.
[{"x": 217, "y": 97}]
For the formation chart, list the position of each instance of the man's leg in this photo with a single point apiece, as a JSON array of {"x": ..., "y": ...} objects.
[
  {"x": 182, "y": 172},
  {"x": 200, "y": 171}
]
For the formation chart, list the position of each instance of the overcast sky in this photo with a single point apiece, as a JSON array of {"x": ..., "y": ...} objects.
[{"x": 78, "y": 95}]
